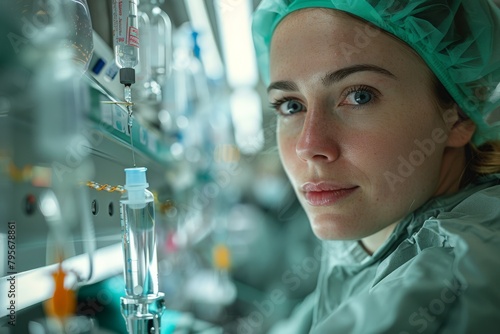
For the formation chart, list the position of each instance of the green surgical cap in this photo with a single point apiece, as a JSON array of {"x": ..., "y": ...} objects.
[{"x": 458, "y": 39}]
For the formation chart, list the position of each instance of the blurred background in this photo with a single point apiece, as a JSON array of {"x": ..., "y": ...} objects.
[{"x": 234, "y": 249}]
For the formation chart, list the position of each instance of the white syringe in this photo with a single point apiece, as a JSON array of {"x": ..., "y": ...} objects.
[
  {"x": 143, "y": 304},
  {"x": 139, "y": 242}
]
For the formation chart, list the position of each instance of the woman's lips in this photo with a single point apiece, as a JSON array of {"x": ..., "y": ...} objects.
[{"x": 322, "y": 194}]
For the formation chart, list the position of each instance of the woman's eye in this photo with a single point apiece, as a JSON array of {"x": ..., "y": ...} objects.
[
  {"x": 288, "y": 107},
  {"x": 359, "y": 96}
]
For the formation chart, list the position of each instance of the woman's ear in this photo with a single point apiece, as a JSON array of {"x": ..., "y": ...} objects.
[{"x": 461, "y": 130}]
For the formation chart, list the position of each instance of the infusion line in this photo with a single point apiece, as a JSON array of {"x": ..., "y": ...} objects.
[
  {"x": 129, "y": 109},
  {"x": 128, "y": 99}
]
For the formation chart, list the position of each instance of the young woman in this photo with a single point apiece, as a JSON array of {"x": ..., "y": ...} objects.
[{"x": 386, "y": 131}]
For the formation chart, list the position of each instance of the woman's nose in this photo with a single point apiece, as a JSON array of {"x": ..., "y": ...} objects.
[{"x": 318, "y": 139}]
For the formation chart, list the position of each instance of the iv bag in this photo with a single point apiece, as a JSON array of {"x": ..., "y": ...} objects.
[{"x": 125, "y": 33}]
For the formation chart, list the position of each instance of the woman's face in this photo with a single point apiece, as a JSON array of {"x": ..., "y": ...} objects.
[{"x": 359, "y": 133}]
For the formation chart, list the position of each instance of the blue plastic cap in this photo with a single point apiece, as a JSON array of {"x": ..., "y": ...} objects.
[{"x": 136, "y": 177}]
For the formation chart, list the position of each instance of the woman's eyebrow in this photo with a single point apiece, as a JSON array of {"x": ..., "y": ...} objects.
[
  {"x": 333, "y": 77},
  {"x": 287, "y": 86},
  {"x": 338, "y": 75}
]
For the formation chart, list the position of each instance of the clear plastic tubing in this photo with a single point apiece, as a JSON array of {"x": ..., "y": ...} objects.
[
  {"x": 125, "y": 33},
  {"x": 137, "y": 215}
]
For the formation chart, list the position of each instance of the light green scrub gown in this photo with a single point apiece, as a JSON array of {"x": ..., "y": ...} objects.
[{"x": 439, "y": 272}]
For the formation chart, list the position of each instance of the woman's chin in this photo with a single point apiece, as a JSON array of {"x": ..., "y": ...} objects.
[{"x": 334, "y": 230}]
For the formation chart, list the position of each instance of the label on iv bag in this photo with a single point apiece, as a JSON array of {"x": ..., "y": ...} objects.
[
  {"x": 133, "y": 36},
  {"x": 125, "y": 23}
]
